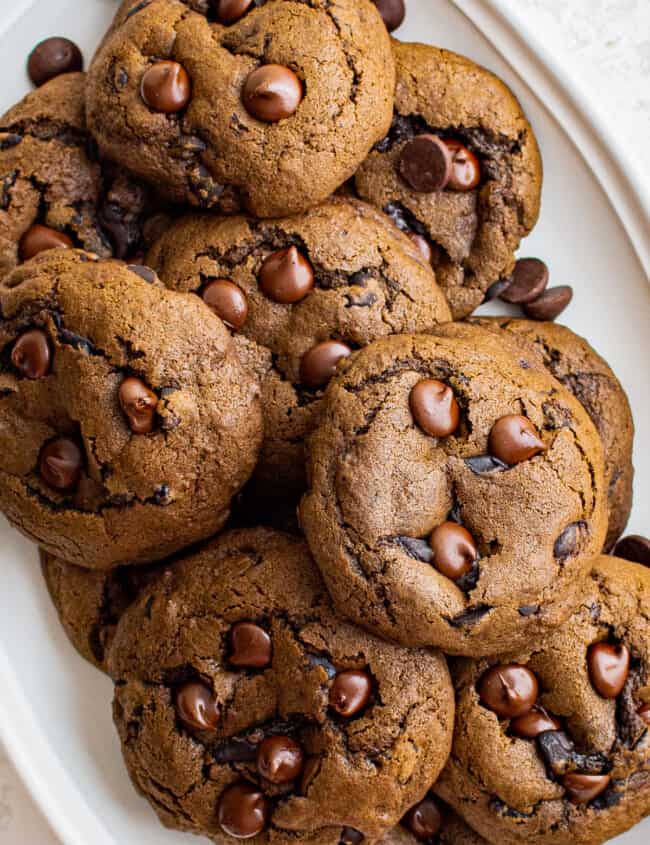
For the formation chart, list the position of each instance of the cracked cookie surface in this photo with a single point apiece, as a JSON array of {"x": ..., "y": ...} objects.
[
  {"x": 368, "y": 283},
  {"x": 90, "y": 602},
  {"x": 212, "y": 152},
  {"x": 592, "y": 381},
  {"x": 471, "y": 233},
  {"x": 50, "y": 175},
  {"x": 381, "y": 487},
  {"x": 512, "y": 788},
  {"x": 74, "y": 333},
  {"x": 180, "y": 636}
]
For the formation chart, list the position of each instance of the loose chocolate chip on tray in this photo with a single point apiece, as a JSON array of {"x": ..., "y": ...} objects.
[
  {"x": 528, "y": 281},
  {"x": 52, "y": 57},
  {"x": 550, "y": 304}
]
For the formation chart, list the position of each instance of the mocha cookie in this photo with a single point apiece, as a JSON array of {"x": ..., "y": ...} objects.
[
  {"x": 263, "y": 106},
  {"x": 434, "y": 823},
  {"x": 300, "y": 294},
  {"x": 247, "y": 708},
  {"x": 455, "y": 496},
  {"x": 53, "y": 189},
  {"x": 591, "y": 380},
  {"x": 459, "y": 170},
  {"x": 127, "y": 423},
  {"x": 552, "y": 743},
  {"x": 90, "y": 602}
]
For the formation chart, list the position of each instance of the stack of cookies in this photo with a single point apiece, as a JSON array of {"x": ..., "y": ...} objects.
[{"x": 278, "y": 472}]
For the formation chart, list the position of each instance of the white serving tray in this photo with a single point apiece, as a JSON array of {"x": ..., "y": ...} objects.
[{"x": 55, "y": 717}]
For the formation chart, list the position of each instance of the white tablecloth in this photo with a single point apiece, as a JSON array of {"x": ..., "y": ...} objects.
[{"x": 606, "y": 44}]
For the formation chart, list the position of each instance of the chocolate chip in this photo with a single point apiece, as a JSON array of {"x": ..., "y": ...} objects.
[
  {"x": 350, "y": 692},
  {"x": 351, "y": 836},
  {"x": 228, "y": 301},
  {"x": 425, "y": 163},
  {"x": 272, "y": 93},
  {"x": 31, "y": 354},
  {"x": 243, "y": 811},
  {"x": 568, "y": 543},
  {"x": 60, "y": 464},
  {"x": 550, "y": 304},
  {"x": 528, "y": 281},
  {"x": 514, "y": 439},
  {"x": 644, "y": 713},
  {"x": 434, "y": 407},
  {"x": 454, "y": 550},
  {"x": 197, "y": 707},
  {"x": 38, "y": 238},
  {"x": 230, "y": 11},
  {"x": 319, "y": 363},
  {"x": 535, "y": 722},
  {"x": 166, "y": 87},
  {"x": 416, "y": 548},
  {"x": 609, "y": 665},
  {"x": 144, "y": 272},
  {"x": 279, "y": 759},
  {"x": 470, "y": 617},
  {"x": 496, "y": 289},
  {"x": 139, "y": 404},
  {"x": 392, "y": 12},
  {"x": 235, "y": 751},
  {"x": 286, "y": 276},
  {"x": 250, "y": 646},
  {"x": 465, "y": 174},
  {"x": 509, "y": 690},
  {"x": 425, "y": 819},
  {"x": 485, "y": 464},
  {"x": 634, "y": 548},
  {"x": 582, "y": 789},
  {"x": 53, "y": 57}
]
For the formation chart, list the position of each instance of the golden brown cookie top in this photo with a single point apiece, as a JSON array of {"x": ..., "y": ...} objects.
[
  {"x": 236, "y": 660},
  {"x": 456, "y": 495},
  {"x": 571, "y": 764},
  {"x": 128, "y": 422},
  {"x": 455, "y": 119},
  {"x": 268, "y": 112}
]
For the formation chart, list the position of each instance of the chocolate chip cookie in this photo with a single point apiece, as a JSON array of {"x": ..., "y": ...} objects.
[
  {"x": 127, "y": 422},
  {"x": 90, "y": 602},
  {"x": 459, "y": 170},
  {"x": 591, "y": 380},
  {"x": 54, "y": 192},
  {"x": 300, "y": 294},
  {"x": 247, "y": 708},
  {"x": 552, "y": 743},
  {"x": 456, "y": 496},
  {"x": 431, "y": 821},
  {"x": 264, "y": 106}
]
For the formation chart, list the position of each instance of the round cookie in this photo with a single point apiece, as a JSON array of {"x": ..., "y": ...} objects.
[
  {"x": 471, "y": 220},
  {"x": 90, "y": 602},
  {"x": 269, "y": 112},
  {"x": 50, "y": 176},
  {"x": 245, "y": 706},
  {"x": 589, "y": 377},
  {"x": 456, "y": 495},
  {"x": 365, "y": 281},
  {"x": 575, "y": 770},
  {"x": 127, "y": 422},
  {"x": 430, "y": 821}
]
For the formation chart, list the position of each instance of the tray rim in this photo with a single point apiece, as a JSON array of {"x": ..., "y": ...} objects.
[{"x": 576, "y": 113}]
